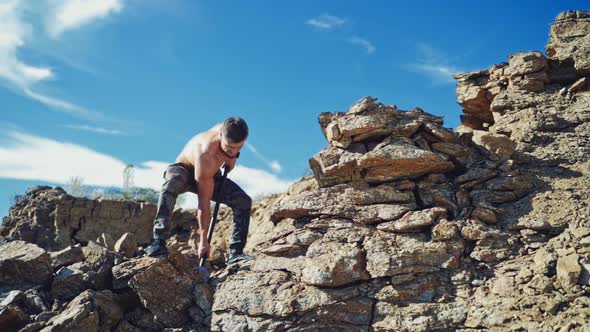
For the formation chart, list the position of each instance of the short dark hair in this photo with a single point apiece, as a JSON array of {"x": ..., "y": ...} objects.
[{"x": 235, "y": 129}]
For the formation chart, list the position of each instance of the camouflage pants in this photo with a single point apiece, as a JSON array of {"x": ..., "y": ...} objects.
[{"x": 179, "y": 179}]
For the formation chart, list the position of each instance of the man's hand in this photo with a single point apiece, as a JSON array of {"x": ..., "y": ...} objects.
[{"x": 204, "y": 248}]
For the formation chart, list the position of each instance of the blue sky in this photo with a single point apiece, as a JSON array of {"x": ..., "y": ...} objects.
[{"x": 87, "y": 87}]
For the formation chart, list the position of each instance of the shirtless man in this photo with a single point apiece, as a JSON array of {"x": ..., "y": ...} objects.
[{"x": 197, "y": 170}]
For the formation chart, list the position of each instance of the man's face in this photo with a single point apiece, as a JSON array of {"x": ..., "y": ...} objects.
[{"x": 229, "y": 148}]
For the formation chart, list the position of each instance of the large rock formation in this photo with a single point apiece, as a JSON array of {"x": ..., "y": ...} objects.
[
  {"x": 54, "y": 220},
  {"x": 405, "y": 225}
]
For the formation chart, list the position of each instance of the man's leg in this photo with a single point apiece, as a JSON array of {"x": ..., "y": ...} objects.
[
  {"x": 176, "y": 182},
  {"x": 241, "y": 205}
]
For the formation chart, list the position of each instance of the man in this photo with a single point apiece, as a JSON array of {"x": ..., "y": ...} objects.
[{"x": 197, "y": 170}]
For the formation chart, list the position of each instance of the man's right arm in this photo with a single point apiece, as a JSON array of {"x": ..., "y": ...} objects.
[{"x": 205, "y": 187}]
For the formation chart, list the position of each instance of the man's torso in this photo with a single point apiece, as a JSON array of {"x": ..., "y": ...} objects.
[{"x": 202, "y": 145}]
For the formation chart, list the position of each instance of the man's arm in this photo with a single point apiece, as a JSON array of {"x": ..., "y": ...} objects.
[{"x": 205, "y": 187}]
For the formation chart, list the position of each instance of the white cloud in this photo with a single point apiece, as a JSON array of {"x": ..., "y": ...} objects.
[
  {"x": 66, "y": 15},
  {"x": 35, "y": 74},
  {"x": 326, "y": 22},
  {"x": 17, "y": 32},
  {"x": 274, "y": 165},
  {"x": 434, "y": 64},
  {"x": 28, "y": 157},
  {"x": 369, "y": 47},
  {"x": 98, "y": 130}
]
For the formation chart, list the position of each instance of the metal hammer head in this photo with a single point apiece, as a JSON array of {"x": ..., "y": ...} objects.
[{"x": 203, "y": 272}]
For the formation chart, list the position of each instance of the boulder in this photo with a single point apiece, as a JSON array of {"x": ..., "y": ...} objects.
[{"x": 24, "y": 264}]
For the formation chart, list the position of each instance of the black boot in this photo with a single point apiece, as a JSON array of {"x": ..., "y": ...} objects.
[
  {"x": 237, "y": 256},
  {"x": 157, "y": 248}
]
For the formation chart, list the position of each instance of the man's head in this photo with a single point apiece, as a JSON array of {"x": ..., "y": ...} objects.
[{"x": 234, "y": 132}]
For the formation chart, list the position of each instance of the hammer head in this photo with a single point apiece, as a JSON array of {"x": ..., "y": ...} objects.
[{"x": 203, "y": 272}]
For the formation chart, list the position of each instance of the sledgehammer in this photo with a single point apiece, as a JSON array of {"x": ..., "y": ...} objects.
[{"x": 201, "y": 268}]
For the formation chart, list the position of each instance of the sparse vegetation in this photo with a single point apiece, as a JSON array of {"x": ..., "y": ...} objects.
[
  {"x": 128, "y": 180},
  {"x": 75, "y": 186}
]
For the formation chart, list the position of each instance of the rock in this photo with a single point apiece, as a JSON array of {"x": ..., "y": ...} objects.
[
  {"x": 569, "y": 41},
  {"x": 11, "y": 297},
  {"x": 419, "y": 316},
  {"x": 476, "y": 176},
  {"x": 272, "y": 298},
  {"x": 304, "y": 184},
  {"x": 125, "y": 326},
  {"x": 12, "y": 318},
  {"x": 568, "y": 271},
  {"x": 126, "y": 245},
  {"x": 35, "y": 301},
  {"x": 343, "y": 201},
  {"x": 526, "y": 63},
  {"x": 203, "y": 296},
  {"x": 143, "y": 319},
  {"x": 123, "y": 272},
  {"x": 444, "y": 230},
  {"x": 89, "y": 311},
  {"x": 544, "y": 261},
  {"x": 93, "y": 273},
  {"x": 495, "y": 248},
  {"x": 97, "y": 266},
  {"x": 24, "y": 264},
  {"x": 438, "y": 194},
  {"x": 474, "y": 100},
  {"x": 293, "y": 244},
  {"x": 333, "y": 166},
  {"x": 486, "y": 198},
  {"x": 475, "y": 230},
  {"x": 106, "y": 240},
  {"x": 485, "y": 215},
  {"x": 534, "y": 224},
  {"x": 499, "y": 146},
  {"x": 414, "y": 220},
  {"x": 585, "y": 275},
  {"x": 358, "y": 128},
  {"x": 333, "y": 264},
  {"x": 391, "y": 254},
  {"x": 67, "y": 256},
  {"x": 365, "y": 104},
  {"x": 578, "y": 85},
  {"x": 164, "y": 291},
  {"x": 518, "y": 184},
  {"x": 398, "y": 160},
  {"x": 69, "y": 281}
]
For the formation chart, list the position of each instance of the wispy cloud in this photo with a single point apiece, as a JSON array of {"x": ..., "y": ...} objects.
[
  {"x": 17, "y": 27},
  {"x": 98, "y": 130},
  {"x": 29, "y": 157},
  {"x": 435, "y": 64},
  {"x": 369, "y": 47},
  {"x": 274, "y": 165},
  {"x": 326, "y": 22},
  {"x": 67, "y": 15}
]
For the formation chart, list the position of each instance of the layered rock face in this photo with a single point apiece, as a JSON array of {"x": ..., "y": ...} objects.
[
  {"x": 417, "y": 228},
  {"x": 405, "y": 211}
]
